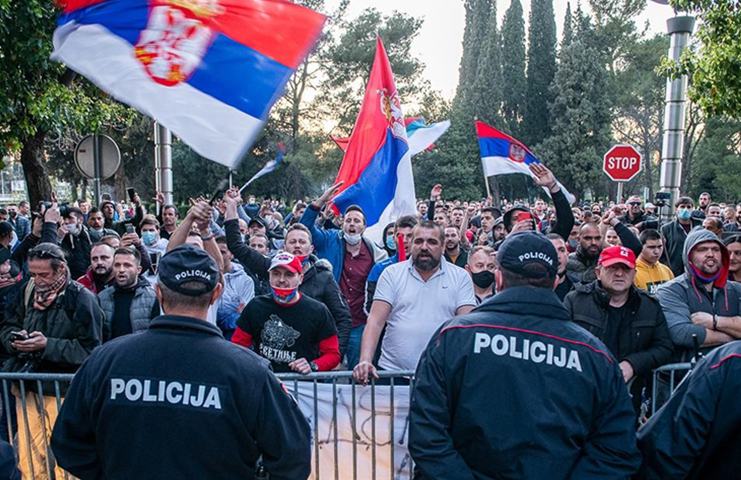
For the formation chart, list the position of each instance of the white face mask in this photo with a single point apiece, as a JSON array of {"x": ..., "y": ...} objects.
[
  {"x": 72, "y": 228},
  {"x": 353, "y": 239}
]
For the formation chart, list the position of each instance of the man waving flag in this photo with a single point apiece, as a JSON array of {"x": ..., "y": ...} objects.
[
  {"x": 377, "y": 167},
  {"x": 207, "y": 69}
]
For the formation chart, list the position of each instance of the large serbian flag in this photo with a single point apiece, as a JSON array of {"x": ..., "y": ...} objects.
[
  {"x": 420, "y": 136},
  {"x": 377, "y": 167},
  {"x": 207, "y": 69},
  {"x": 502, "y": 155}
]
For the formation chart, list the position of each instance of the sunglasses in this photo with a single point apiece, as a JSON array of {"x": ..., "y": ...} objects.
[
  {"x": 45, "y": 255},
  {"x": 635, "y": 204}
]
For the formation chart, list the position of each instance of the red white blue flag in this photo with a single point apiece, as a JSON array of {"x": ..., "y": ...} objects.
[
  {"x": 377, "y": 167},
  {"x": 502, "y": 155},
  {"x": 420, "y": 136},
  {"x": 207, "y": 69}
]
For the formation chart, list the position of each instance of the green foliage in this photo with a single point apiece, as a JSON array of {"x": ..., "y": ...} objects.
[
  {"x": 541, "y": 70},
  {"x": 581, "y": 115},
  {"x": 513, "y": 67},
  {"x": 714, "y": 65},
  {"x": 717, "y": 161},
  {"x": 486, "y": 90}
]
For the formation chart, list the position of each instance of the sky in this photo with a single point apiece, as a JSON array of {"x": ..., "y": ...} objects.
[{"x": 439, "y": 43}]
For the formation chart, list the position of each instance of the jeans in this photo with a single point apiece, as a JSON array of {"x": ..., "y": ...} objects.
[{"x": 352, "y": 354}]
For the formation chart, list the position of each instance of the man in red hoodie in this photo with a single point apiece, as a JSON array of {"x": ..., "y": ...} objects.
[{"x": 293, "y": 331}]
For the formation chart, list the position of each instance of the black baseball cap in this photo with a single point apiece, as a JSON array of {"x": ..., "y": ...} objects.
[
  {"x": 186, "y": 264},
  {"x": 520, "y": 250},
  {"x": 508, "y": 215},
  {"x": 6, "y": 229}
]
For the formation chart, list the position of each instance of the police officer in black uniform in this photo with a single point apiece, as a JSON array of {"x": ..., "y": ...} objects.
[
  {"x": 515, "y": 389},
  {"x": 178, "y": 401},
  {"x": 697, "y": 434}
]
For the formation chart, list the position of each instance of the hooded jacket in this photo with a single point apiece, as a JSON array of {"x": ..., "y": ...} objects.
[
  {"x": 647, "y": 342},
  {"x": 238, "y": 288},
  {"x": 685, "y": 295},
  {"x": 77, "y": 249},
  {"x": 675, "y": 237}
]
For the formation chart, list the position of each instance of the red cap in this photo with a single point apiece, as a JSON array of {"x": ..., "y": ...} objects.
[
  {"x": 286, "y": 260},
  {"x": 617, "y": 254}
]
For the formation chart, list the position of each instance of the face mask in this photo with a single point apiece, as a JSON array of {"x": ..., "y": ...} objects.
[
  {"x": 352, "y": 239},
  {"x": 390, "y": 243},
  {"x": 72, "y": 229},
  {"x": 684, "y": 214},
  {"x": 573, "y": 244},
  {"x": 149, "y": 238},
  {"x": 283, "y": 295},
  {"x": 13, "y": 214},
  {"x": 97, "y": 230},
  {"x": 483, "y": 279},
  {"x": 302, "y": 258}
]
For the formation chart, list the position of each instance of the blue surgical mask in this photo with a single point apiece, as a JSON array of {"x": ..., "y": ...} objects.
[
  {"x": 149, "y": 238},
  {"x": 390, "y": 243},
  {"x": 684, "y": 213}
]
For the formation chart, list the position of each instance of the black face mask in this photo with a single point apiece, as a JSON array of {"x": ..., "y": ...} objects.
[
  {"x": 13, "y": 214},
  {"x": 483, "y": 279}
]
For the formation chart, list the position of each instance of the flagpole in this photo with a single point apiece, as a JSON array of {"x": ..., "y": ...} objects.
[{"x": 488, "y": 190}]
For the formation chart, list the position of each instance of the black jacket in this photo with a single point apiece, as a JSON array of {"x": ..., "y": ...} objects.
[
  {"x": 697, "y": 434},
  {"x": 515, "y": 389},
  {"x": 179, "y": 401},
  {"x": 564, "y": 216},
  {"x": 580, "y": 269},
  {"x": 675, "y": 237},
  {"x": 650, "y": 344},
  {"x": 319, "y": 282},
  {"x": 77, "y": 250}
]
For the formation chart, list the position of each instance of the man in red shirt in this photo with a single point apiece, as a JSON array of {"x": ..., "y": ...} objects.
[{"x": 293, "y": 331}]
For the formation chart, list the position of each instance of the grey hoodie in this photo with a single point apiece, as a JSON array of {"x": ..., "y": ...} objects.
[{"x": 685, "y": 295}]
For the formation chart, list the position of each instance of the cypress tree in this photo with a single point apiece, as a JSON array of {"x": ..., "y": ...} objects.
[
  {"x": 568, "y": 28},
  {"x": 541, "y": 69},
  {"x": 487, "y": 87},
  {"x": 513, "y": 67}
]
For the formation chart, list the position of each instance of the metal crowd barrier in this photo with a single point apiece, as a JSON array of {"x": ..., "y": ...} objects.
[
  {"x": 366, "y": 435},
  {"x": 395, "y": 384},
  {"x": 659, "y": 395}
]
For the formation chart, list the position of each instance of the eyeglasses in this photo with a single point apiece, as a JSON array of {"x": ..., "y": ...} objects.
[{"x": 635, "y": 204}]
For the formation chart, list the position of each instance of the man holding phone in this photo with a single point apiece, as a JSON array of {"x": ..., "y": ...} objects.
[{"x": 108, "y": 208}]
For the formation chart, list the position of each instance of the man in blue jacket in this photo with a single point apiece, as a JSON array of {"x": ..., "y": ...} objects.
[
  {"x": 178, "y": 401},
  {"x": 352, "y": 256},
  {"x": 515, "y": 389}
]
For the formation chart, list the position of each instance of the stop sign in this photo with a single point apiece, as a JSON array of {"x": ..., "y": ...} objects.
[{"x": 622, "y": 163}]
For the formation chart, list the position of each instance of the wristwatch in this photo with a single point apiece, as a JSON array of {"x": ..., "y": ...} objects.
[
  {"x": 314, "y": 367},
  {"x": 207, "y": 237}
]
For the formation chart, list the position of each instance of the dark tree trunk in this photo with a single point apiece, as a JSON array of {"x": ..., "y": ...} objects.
[
  {"x": 495, "y": 192},
  {"x": 119, "y": 182},
  {"x": 37, "y": 180}
]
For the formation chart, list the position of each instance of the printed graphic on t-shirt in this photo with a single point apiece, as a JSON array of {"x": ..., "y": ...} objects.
[
  {"x": 276, "y": 335},
  {"x": 653, "y": 286}
]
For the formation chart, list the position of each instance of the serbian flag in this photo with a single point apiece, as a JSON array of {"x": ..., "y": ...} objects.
[
  {"x": 377, "y": 167},
  {"x": 209, "y": 70},
  {"x": 420, "y": 136},
  {"x": 502, "y": 155}
]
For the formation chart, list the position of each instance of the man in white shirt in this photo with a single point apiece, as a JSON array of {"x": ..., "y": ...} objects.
[{"x": 412, "y": 299}]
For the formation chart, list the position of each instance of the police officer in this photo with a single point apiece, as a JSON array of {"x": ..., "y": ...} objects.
[
  {"x": 697, "y": 434},
  {"x": 178, "y": 401},
  {"x": 515, "y": 389}
]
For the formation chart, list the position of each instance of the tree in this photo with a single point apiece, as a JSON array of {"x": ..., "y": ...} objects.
[
  {"x": 713, "y": 63},
  {"x": 568, "y": 28},
  {"x": 716, "y": 166},
  {"x": 541, "y": 70},
  {"x": 513, "y": 67},
  {"x": 38, "y": 96},
  {"x": 581, "y": 115},
  {"x": 487, "y": 86}
]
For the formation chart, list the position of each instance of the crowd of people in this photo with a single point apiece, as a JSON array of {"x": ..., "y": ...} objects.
[{"x": 309, "y": 291}]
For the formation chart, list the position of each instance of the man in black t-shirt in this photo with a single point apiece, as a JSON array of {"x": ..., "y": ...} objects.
[{"x": 293, "y": 331}]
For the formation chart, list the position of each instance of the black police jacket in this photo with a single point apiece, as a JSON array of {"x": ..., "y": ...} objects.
[
  {"x": 697, "y": 434},
  {"x": 515, "y": 389},
  {"x": 179, "y": 401}
]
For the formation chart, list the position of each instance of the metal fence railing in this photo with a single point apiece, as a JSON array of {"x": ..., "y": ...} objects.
[{"x": 359, "y": 432}]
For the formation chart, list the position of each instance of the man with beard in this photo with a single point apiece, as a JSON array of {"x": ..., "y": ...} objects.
[
  {"x": 96, "y": 224},
  {"x": 131, "y": 304},
  {"x": 76, "y": 243},
  {"x": 109, "y": 209},
  {"x": 702, "y": 302},
  {"x": 482, "y": 263},
  {"x": 636, "y": 216},
  {"x": 51, "y": 326},
  {"x": 21, "y": 224},
  {"x": 318, "y": 282},
  {"x": 100, "y": 274},
  {"x": 564, "y": 284},
  {"x": 453, "y": 251},
  {"x": 582, "y": 263},
  {"x": 413, "y": 298}
]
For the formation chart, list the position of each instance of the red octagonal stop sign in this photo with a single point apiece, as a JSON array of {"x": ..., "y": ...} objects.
[{"x": 622, "y": 163}]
